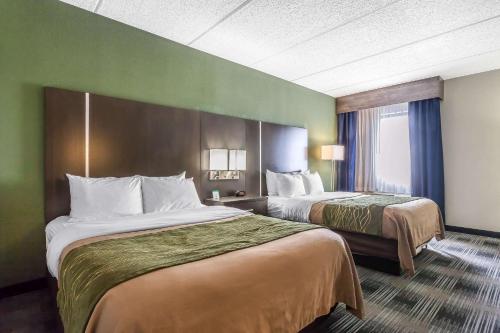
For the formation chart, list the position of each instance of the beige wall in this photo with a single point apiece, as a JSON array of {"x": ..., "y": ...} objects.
[{"x": 471, "y": 143}]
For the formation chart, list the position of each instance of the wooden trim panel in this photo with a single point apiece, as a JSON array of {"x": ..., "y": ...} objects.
[
  {"x": 64, "y": 147},
  {"x": 400, "y": 93}
]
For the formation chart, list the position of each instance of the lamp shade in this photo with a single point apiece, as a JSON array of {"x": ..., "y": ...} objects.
[
  {"x": 218, "y": 159},
  {"x": 238, "y": 160},
  {"x": 241, "y": 160},
  {"x": 332, "y": 152}
]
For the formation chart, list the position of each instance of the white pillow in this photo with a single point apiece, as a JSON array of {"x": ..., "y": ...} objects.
[
  {"x": 313, "y": 183},
  {"x": 272, "y": 182},
  {"x": 182, "y": 175},
  {"x": 162, "y": 195},
  {"x": 104, "y": 197},
  {"x": 272, "y": 188},
  {"x": 290, "y": 185}
]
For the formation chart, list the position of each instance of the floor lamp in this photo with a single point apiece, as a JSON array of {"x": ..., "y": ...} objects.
[{"x": 332, "y": 153}]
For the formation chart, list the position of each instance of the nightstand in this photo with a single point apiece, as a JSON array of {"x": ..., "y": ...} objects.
[{"x": 256, "y": 205}]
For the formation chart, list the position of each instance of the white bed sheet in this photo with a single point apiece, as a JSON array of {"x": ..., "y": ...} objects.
[
  {"x": 64, "y": 230},
  {"x": 298, "y": 208}
]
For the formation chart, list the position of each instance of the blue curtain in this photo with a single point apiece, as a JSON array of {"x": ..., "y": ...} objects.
[
  {"x": 426, "y": 151},
  {"x": 347, "y": 137}
]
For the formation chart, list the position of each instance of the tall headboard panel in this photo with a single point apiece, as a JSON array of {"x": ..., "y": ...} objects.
[
  {"x": 100, "y": 136},
  {"x": 124, "y": 138},
  {"x": 218, "y": 131},
  {"x": 129, "y": 138},
  {"x": 283, "y": 149}
]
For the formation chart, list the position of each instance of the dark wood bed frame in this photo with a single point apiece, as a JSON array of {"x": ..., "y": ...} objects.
[
  {"x": 109, "y": 136},
  {"x": 126, "y": 138}
]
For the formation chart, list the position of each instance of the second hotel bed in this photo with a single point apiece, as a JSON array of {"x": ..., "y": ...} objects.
[{"x": 407, "y": 223}]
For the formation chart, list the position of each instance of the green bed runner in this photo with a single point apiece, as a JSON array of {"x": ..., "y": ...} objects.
[
  {"x": 363, "y": 214},
  {"x": 89, "y": 271}
]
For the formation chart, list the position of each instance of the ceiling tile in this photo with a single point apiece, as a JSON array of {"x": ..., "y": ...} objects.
[
  {"x": 399, "y": 24},
  {"x": 474, "y": 40},
  {"x": 267, "y": 27},
  {"x": 456, "y": 68},
  {"x": 178, "y": 20}
]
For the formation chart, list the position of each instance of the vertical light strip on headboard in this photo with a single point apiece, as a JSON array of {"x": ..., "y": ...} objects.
[
  {"x": 87, "y": 134},
  {"x": 260, "y": 158}
]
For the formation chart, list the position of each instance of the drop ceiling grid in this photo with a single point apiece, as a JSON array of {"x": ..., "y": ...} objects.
[
  {"x": 337, "y": 47},
  {"x": 177, "y": 20},
  {"x": 402, "y": 23},
  {"x": 267, "y": 27},
  {"x": 455, "y": 68},
  {"x": 433, "y": 51}
]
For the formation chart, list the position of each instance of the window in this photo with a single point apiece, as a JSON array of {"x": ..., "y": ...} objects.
[
  {"x": 383, "y": 150},
  {"x": 392, "y": 160}
]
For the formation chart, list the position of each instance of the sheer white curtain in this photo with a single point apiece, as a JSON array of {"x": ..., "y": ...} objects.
[
  {"x": 383, "y": 150},
  {"x": 366, "y": 148}
]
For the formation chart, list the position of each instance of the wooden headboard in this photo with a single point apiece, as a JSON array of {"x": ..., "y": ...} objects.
[
  {"x": 125, "y": 138},
  {"x": 284, "y": 149},
  {"x": 98, "y": 136}
]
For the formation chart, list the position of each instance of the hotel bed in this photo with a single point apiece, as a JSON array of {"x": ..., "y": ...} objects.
[
  {"x": 405, "y": 226},
  {"x": 292, "y": 190},
  {"x": 258, "y": 274}
]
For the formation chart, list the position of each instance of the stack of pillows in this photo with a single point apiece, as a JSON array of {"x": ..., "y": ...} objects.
[
  {"x": 293, "y": 184},
  {"x": 94, "y": 198}
]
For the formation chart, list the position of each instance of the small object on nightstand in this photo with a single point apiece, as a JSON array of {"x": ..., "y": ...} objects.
[
  {"x": 240, "y": 193},
  {"x": 255, "y": 204},
  {"x": 215, "y": 195}
]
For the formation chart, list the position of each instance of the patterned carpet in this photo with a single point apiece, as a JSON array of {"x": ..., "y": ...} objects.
[{"x": 456, "y": 289}]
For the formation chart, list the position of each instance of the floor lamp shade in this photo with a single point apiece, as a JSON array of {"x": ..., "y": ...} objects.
[{"x": 332, "y": 153}]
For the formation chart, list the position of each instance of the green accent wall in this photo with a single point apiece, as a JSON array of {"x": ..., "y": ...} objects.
[{"x": 49, "y": 43}]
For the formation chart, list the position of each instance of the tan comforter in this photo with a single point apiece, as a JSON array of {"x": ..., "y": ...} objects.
[
  {"x": 412, "y": 224},
  {"x": 280, "y": 286}
]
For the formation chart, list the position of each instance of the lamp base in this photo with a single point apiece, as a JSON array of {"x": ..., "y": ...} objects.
[
  {"x": 332, "y": 176},
  {"x": 223, "y": 175}
]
